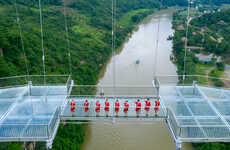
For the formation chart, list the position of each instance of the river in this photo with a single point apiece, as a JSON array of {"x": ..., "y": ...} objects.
[{"x": 142, "y": 45}]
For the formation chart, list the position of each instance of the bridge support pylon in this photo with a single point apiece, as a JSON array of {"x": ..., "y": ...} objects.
[
  {"x": 113, "y": 121},
  {"x": 156, "y": 85},
  {"x": 178, "y": 145},
  {"x": 49, "y": 144}
]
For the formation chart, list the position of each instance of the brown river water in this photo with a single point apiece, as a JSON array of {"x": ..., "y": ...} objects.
[{"x": 134, "y": 135}]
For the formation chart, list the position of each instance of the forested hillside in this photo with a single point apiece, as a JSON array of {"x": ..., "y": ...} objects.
[{"x": 89, "y": 23}]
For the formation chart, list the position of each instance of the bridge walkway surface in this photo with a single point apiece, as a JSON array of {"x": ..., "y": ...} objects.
[
  {"x": 81, "y": 114},
  {"x": 194, "y": 113}
]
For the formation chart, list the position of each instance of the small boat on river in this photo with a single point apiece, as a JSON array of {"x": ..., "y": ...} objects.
[{"x": 137, "y": 61}]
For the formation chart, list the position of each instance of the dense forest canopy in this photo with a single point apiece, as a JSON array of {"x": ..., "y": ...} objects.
[
  {"x": 89, "y": 23},
  {"x": 213, "y": 2},
  {"x": 209, "y": 31},
  {"x": 216, "y": 32}
]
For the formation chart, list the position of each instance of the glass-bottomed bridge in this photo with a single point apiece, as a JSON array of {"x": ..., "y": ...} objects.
[{"x": 195, "y": 111}]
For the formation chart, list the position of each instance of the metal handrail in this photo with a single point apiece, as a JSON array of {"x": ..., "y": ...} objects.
[{"x": 33, "y": 76}]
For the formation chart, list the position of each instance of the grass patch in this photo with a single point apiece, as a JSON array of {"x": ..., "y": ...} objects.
[
  {"x": 201, "y": 69},
  {"x": 127, "y": 19}
]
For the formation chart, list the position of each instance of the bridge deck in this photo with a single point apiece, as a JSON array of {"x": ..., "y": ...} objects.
[
  {"x": 194, "y": 113},
  {"x": 24, "y": 117},
  {"x": 80, "y": 113},
  {"x": 198, "y": 114}
]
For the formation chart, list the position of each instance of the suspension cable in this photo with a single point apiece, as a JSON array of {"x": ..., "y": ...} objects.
[
  {"x": 21, "y": 38},
  {"x": 42, "y": 44},
  {"x": 157, "y": 47},
  {"x": 114, "y": 43},
  {"x": 186, "y": 41},
  {"x": 67, "y": 39}
]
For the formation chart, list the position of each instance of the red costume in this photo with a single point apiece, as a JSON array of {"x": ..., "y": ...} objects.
[
  {"x": 157, "y": 105},
  {"x": 117, "y": 105},
  {"x": 147, "y": 105},
  {"x": 138, "y": 106},
  {"x": 126, "y": 107},
  {"x": 72, "y": 106},
  {"x": 98, "y": 105},
  {"x": 86, "y": 104},
  {"x": 106, "y": 105}
]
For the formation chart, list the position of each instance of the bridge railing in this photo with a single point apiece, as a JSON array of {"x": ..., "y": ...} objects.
[
  {"x": 173, "y": 123},
  {"x": 15, "y": 81},
  {"x": 188, "y": 80},
  {"x": 188, "y": 87},
  {"x": 29, "y": 131},
  {"x": 24, "y": 132},
  {"x": 53, "y": 122},
  {"x": 49, "y": 79},
  {"x": 204, "y": 132},
  {"x": 91, "y": 113},
  {"x": 97, "y": 90},
  {"x": 192, "y": 129}
]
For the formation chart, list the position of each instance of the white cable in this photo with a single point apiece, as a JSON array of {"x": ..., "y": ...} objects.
[
  {"x": 22, "y": 42},
  {"x": 114, "y": 43},
  {"x": 42, "y": 44},
  {"x": 157, "y": 47},
  {"x": 186, "y": 41},
  {"x": 67, "y": 39}
]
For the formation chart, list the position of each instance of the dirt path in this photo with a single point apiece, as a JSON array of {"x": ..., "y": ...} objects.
[{"x": 206, "y": 75}]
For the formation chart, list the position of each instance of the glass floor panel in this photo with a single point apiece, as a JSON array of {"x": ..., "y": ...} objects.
[
  {"x": 179, "y": 108},
  {"x": 189, "y": 92},
  {"x": 213, "y": 121},
  {"x": 199, "y": 114},
  {"x": 187, "y": 122},
  {"x": 26, "y": 117},
  {"x": 213, "y": 93},
  {"x": 223, "y": 107},
  {"x": 201, "y": 109}
]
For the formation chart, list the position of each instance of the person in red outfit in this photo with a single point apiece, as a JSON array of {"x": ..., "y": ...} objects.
[
  {"x": 106, "y": 107},
  {"x": 72, "y": 107},
  {"x": 86, "y": 105},
  {"x": 98, "y": 108},
  {"x": 147, "y": 106},
  {"x": 117, "y": 105},
  {"x": 138, "y": 107},
  {"x": 126, "y": 108},
  {"x": 157, "y": 106}
]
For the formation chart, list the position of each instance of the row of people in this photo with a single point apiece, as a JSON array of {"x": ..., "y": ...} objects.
[{"x": 117, "y": 107}]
